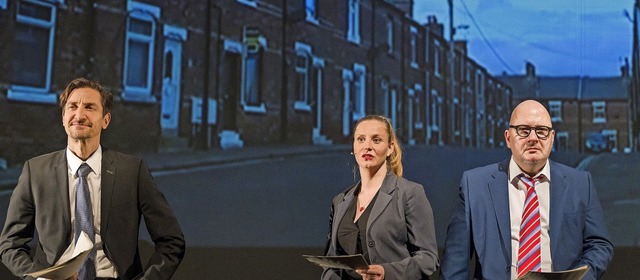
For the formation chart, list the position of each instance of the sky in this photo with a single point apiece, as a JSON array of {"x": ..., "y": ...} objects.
[{"x": 559, "y": 37}]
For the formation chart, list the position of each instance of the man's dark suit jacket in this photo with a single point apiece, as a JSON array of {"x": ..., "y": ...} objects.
[
  {"x": 481, "y": 224},
  {"x": 40, "y": 202}
]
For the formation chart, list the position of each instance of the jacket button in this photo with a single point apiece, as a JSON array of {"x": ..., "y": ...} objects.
[{"x": 372, "y": 243}]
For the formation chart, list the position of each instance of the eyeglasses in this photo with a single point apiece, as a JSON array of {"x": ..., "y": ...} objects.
[{"x": 541, "y": 131}]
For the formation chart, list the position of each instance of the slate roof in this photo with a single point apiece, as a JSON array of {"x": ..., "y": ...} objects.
[{"x": 569, "y": 87}]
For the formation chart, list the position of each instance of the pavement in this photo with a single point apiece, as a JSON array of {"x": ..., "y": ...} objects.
[{"x": 196, "y": 158}]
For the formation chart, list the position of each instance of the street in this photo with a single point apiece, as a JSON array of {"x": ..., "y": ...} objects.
[{"x": 255, "y": 219}]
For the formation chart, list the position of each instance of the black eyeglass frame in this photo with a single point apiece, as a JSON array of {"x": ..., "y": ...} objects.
[{"x": 538, "y": 129}]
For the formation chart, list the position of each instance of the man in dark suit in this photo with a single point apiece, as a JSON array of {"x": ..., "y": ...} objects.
[
  {"x": 527, "y": 212},
  {"x": 120, "y": 192}
]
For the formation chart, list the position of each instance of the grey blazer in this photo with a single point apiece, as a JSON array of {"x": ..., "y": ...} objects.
[
  {"x": 40, "y": 202},
  {"x": 400, "y": 230}
]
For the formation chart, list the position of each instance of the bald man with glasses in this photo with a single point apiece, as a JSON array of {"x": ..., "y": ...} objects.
[{"x": 526, "y": 213}]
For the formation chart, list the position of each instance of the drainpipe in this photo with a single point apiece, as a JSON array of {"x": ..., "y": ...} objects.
[
  {"x": 204, "y": 139},
  {"x": 284, "y": 99}
]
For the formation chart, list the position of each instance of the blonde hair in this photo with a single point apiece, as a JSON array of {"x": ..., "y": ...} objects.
[{"x": 394, "y": 161}]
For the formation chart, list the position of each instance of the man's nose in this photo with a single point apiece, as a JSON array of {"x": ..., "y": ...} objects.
[{"x": 532, "y": 135}]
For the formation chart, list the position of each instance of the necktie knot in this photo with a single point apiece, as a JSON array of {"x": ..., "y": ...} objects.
[
  {"x": 84, "y": 170},
  {"x": 530, "y": 182}
]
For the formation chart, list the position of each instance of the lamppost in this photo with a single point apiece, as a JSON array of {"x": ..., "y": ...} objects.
[{"x": 449, "y": 100}]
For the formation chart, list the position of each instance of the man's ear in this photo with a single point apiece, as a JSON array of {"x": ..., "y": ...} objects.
[{"x": 106, "y": 120}]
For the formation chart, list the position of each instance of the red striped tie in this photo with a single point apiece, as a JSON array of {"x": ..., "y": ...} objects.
[{"x": 529, "y": 251}]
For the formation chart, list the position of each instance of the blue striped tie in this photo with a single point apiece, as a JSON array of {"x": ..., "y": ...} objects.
[{"x": 84, "y": 221}]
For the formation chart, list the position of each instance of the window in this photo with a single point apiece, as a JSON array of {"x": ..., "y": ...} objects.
[
  {"x": 599, "y": 113},
  {"x": 353, "y": 21},
  {"x": 3, "y": 4},
  {"x": 384, "y": 86},
  {"x": 467, "y": 73},
  {"x": 390, "y": 27},
  {"x": 359, "y": 82},
  {"x": 418, "y": 106},
  {"x": 302, "y": 67},
  {"x": 317, "y": 72},
  {"x": 311, "y": 8},
  {"x": 32, "y": 54},
  {"x": 555, "y": 110},
  {"x": 457, "y": 117},
  {"x": 414, "y": 48},
  {"x": 139, "y": 46},
  {"x": 252, "y": 71},
  {"x": 562, "y": 141},
  {"x": 437, "y": 59},
  {"x": 427, "y": 47},
  {"x": 434, "y": 120}
]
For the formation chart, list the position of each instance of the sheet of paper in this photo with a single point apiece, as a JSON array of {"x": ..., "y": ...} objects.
[
  {"x": 67, "y": 268},
  {"x": 573, "y": 274},
  {"x": 339, "y": 262}
]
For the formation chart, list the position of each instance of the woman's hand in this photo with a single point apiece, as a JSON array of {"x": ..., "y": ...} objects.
[{"x": 375, "y": 272}]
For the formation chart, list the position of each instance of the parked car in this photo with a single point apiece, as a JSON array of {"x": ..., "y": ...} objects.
[{"x": 598, "y": 143}]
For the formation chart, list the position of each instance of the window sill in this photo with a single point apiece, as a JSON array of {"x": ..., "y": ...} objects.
[
  {"x": 301, "y": 106},
  {"x": 34, "y": 96},
  {"x": 357, "y": 116},
  {"x": 260, "y": 109},
  {"x": 248, "y": 3},
  {"x": 312, "y": 20},
  {"x": 138, "y": 98}
]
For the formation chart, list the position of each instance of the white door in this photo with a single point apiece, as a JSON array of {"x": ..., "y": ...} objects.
[{"x": 171, "y": 78}]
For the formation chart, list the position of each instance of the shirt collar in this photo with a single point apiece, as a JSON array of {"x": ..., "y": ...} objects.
[
  {"x": 94, "y": 161},
  {"x": 515, "y": 171}
]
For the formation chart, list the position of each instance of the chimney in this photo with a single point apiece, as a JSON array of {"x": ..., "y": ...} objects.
[
  {"x": 461, "y": 45},
  {"x": 624, "y": 69},
  {"x": 433, "y": 25},
  {"x": 530, "y": 70}
]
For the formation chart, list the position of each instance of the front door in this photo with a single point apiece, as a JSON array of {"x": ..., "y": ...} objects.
[{"x": 171, "y": 76}]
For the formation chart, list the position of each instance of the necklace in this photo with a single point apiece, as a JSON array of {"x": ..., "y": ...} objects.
[{"x": 363, "y": 206}]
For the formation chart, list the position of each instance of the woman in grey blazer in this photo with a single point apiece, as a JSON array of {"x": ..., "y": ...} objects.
[{"x": 385, "y": 217}]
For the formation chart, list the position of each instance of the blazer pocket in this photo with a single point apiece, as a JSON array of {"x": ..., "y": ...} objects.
[{"x": 572, "y": 225}]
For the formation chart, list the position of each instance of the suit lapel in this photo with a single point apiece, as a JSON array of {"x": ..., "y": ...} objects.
[
  {"x": 383, "y": 199},
  {"x": 107, "y": 185},
  {"x": 557, "y": 190},
  {"x": 60, "y": 169},
  {"x": 341, "y": 210},
  {"x": 499, "y": 192}
]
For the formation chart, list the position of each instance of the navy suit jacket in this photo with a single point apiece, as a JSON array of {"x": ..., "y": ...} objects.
[
  {"x": 40, "y": 202},
  {"x": 480, "y": 225}
]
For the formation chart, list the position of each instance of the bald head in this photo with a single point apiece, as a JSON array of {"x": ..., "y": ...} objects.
[{"x": 530, "y": 110}]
